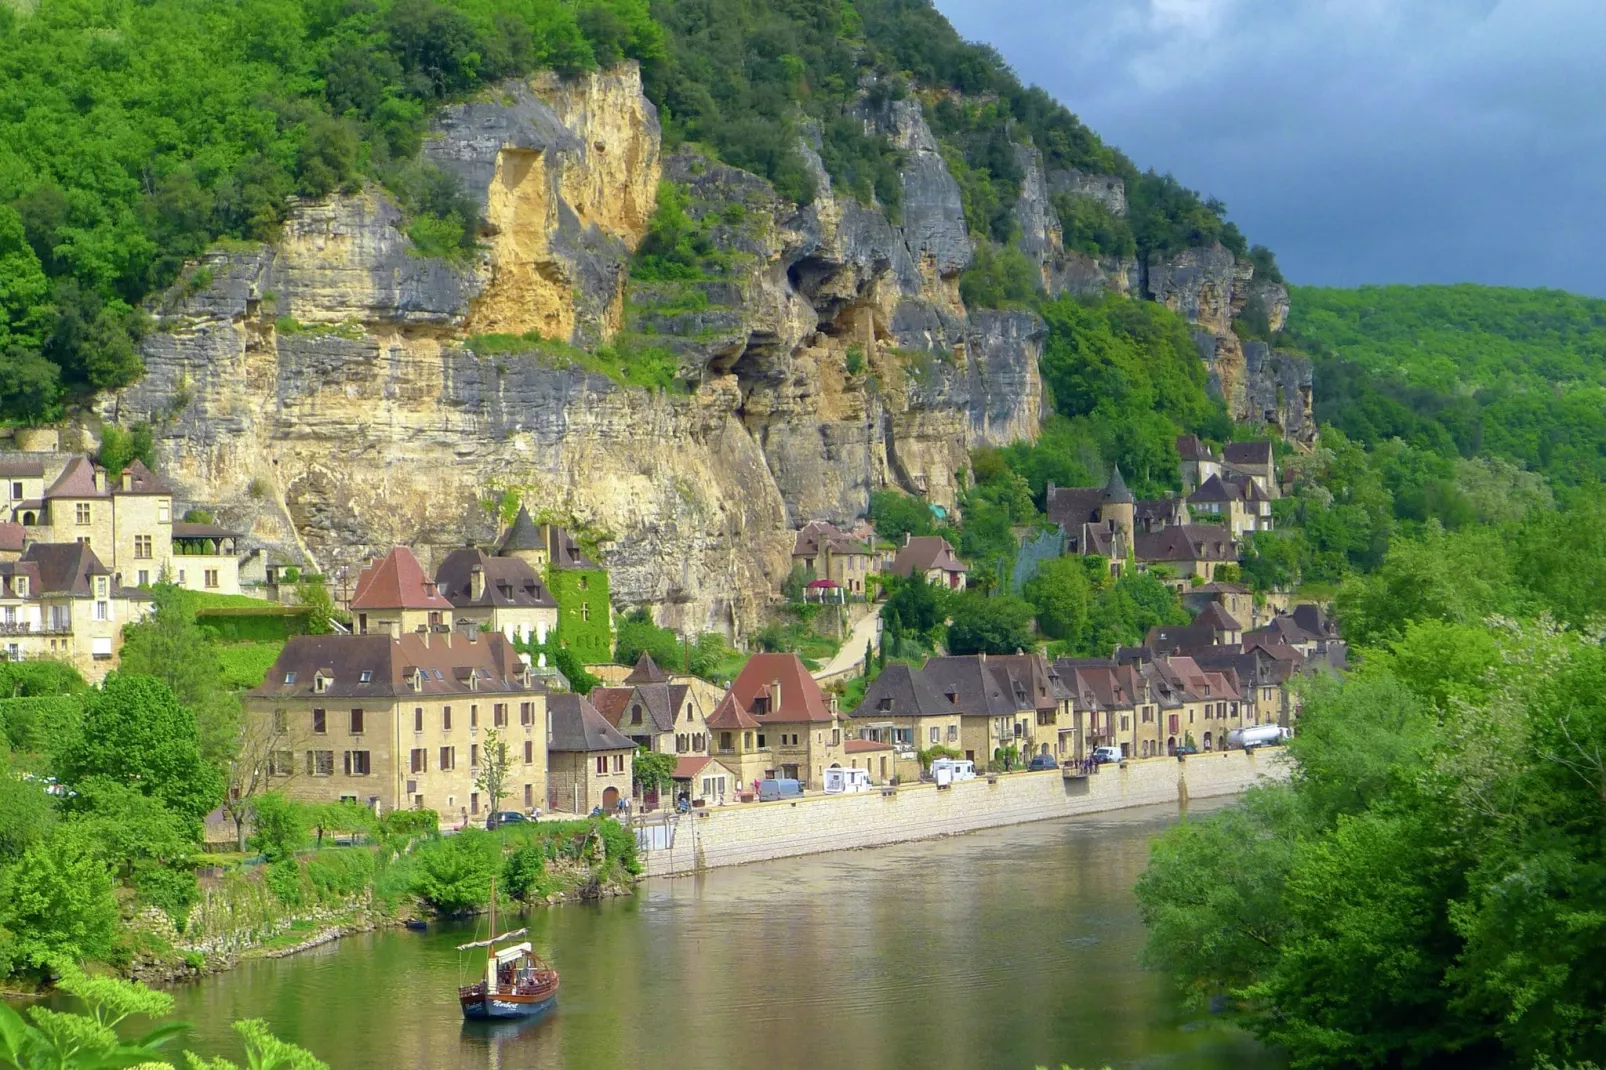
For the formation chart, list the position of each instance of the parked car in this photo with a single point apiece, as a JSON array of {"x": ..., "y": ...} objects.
[
  {"x": 772, "y": 790},
  {"x": 1185, "y": 749},
  {"x": 1041, "y": 762},
  {"x": 504, "y": 817},
  {"x": 1102, "y": 755}
]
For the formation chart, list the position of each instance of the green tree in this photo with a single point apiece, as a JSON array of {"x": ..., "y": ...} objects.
[
  {"x": 896, "y": 514},
  {"x": 171, "y": 647},
  {"x": 981, "y": 625},
  {"x": 652, "y": 770},
  {"x": 56, "y": 902},
  {"x": 280, "y": 825},
  {"x": 313, "y": 596},
  {"x": 1059, "y": 594},
  {"x": 26, "y": 815},
  {"x": 916, "y": 603},
  {"x": 119, "y": 448},
  {"x": 453, "y": 874},
  {"x": 136, "y": 733},
  {"x": 495, "y": 761}
]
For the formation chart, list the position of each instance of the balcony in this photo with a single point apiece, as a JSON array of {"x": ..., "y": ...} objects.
[{"x": 27, "y": 628}]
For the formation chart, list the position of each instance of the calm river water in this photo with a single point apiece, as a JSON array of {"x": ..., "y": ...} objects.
[{"x": 1011, "y": 949}]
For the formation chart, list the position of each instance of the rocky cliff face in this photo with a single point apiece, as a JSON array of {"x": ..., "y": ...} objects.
[{"x": 333, "y": 393}]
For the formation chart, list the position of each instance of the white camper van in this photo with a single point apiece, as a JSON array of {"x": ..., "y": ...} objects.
[
  {"x": 946, "y": 771},
  {"x": 846, "y": 781}
]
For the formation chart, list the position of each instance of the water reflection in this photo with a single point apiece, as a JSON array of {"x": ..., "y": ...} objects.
[{"x": 1012, "y": 948}]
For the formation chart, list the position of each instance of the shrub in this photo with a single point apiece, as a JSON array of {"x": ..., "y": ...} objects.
[
  {"x": 524, "y": 871},
  {"x": 453, "y": 875},
  {"x": 340, "y": 873},
  {"x": 283, "y": 879},
  {"x": 171, "y": 889},
  {"x": 999, "y": 277}
]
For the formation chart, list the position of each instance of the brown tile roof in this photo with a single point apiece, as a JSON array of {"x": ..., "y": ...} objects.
[
  {"x": 901, "y": 691},
  {"x": 729, "y": 716},
  {"x": 202, "y": 531},
  {"x": 448, "y": 663},
  {"x": 522, "y": 534},
  {"x": 1071, "y": 507},
  {"x": 690, "y": 766},
  {"x": 1186, "y": 542},
  {"x": 1215, "y": 489},
  {"x": 860, "y": 746},
  {"x": 647, "y": 672},
  {"x": 1246, "y": 453},
  {"x": 77, "y": 480},
  {"x": 799, "y": 698},
  {"x": 509, "y": 582},
  {"x": 564, "y": 552},
  {"x": 21, "y": 467},
  {"x": 656, "y": 701},
  {"x": 11, "y": 569},
  {"x": 65, "y": 568},
  {"x": 141, "y": 480},
  {"x": 966, "y": 685},
  {"x": 1189, "y": 448},
  {"x": 575, "y": 725},
  {"x": 397, "y": 581},
  {"x": 610, "y": 701},
  {"x": 818, "y": 532},
  {"x": 922, "y": 553},
  {"x": 11, "y": 536},
  {"x": 1217, "y": 618}
]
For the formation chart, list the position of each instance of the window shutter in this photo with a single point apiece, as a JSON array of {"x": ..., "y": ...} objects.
[{"x": 348, "y": 762}]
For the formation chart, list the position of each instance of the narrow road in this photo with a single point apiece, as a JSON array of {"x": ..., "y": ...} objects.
[{"x": 851, "y": 656}]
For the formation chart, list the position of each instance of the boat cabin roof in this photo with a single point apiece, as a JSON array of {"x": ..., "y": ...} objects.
[{"x": 508, "y": 954}]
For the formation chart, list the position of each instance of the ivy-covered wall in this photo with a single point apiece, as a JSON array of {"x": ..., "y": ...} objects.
[{"x": 585, "y": 624}]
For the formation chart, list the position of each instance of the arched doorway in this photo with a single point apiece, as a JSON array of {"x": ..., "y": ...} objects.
[
  {"x": 1171, "y": 746},
  {"x": 610, "y": 798},
  {"x": 1207, "y": 741},
  {"x": 1044, "y": 749}
]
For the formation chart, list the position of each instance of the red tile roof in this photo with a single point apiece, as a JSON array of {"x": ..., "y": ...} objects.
[
  {"x": 922, "y": 553},
  {"x": 141, "y": 480},
  {"x": 686, "y": 768},
  {"x": 729, "y": 716},
  {"x": 11, "y": 537},
  {"x": 799, "y": 697},
  {"x": 397, "y": 581}
]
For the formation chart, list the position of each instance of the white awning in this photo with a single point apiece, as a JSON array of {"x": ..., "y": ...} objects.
[{"x": 508, "y": 954}]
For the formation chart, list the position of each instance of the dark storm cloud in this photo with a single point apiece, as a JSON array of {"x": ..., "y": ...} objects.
[{"x": 1363, "y": 140}]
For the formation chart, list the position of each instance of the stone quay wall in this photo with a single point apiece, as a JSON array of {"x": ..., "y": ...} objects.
[{"x": 816, "y": 824}]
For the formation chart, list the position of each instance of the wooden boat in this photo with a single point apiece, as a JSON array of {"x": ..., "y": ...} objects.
[{"x": 517, "y": 983}]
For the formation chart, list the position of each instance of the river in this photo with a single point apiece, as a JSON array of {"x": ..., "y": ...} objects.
[{"x": 1012, "y": 948}]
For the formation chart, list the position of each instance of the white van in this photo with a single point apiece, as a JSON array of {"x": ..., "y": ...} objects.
[
  {"x": 947, "y": 771},
  {"x": 1260, "y": 735},
  {"x": 846, "y": 781}
]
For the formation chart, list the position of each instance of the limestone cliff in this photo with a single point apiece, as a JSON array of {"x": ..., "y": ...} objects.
[{"x": 335, "y": 393}]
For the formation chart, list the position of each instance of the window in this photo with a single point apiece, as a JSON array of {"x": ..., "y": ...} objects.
[
  {"x": 280, "y": 721},
  {"x": 102, "y": 611},
  {"x": 585, "y": 581},
  {"x": 142, "y": 547},
  {"x": 418, "y": 718},
  {"x": 367, "y": 677},
  {"x": 16, "y": 492},
  {"x": 618, "y": 763},
  {"x": 211, "y": 578},
  {"x": 448, "y": 758},
  {"x": 181, "y": 577},
  {"x": 164, "y": 513},
  {"x": 499, "y": 714},
  {"x": 474, "y": 754},
  {"x": 473, "y": 716},
  {"x": 1126, "y": 723},
  {"x": 320, "y": 722},
  {"x": 635, "y": 714},
  {"x": 762, "y": 743},
  {"x": 320, "y": 683},
  {"x": 529, "y": 796},
  {"x": 526, "y": 713},
  {"x": 473, "y": 802},
  {"x": 680, "y": 743},
  {"x": 100, "y": 646},
  {"x": 602, "y": 764},
  {"x": 320, "y": 763},
  {"x": 529, "y": 751},
  {"x": 281, "y": 763},
  {"x": 936, "y": 735},
  {"x": 420, "y": 760},
  {"x": 697, "y": 741},
  {"x": 836, "y": 737},
  {"x": 446, "y": 718},
  {"x": 356, "y": 763},
  {"x": 418, "y": 802},
  {"x": 144, "y": 578},
  {"x": 81, "y": 512},
  {"x": 585, "y": 610},
  {"x": 953, "y": 733},
  {"x": 439, "y": 679},
  {"x": 725, "y": 741},
  {"x": 1045, "y": 717},
  {"x": 356, "y": 722}
]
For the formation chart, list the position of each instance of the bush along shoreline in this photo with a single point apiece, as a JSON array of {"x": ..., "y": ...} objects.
[{"x": 381, "y": 874}]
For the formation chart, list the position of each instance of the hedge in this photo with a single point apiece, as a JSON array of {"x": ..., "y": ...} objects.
[{"x": 267, "y": 624}]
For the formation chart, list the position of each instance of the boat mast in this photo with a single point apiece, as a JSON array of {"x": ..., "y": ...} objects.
[{"x": 490, "y": 948}]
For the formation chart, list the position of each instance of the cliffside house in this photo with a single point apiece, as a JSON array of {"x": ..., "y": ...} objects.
[
  {"x": 1213, "y": 626},
  {"x": 1098, "y": 521},
  {"x": 829, "y": 553},
  {"x": 1197, "y": 462},
  {"x": 1241, "y": 507},
  {"x": 396, "y": 722},
  {"x": 590, "y": 763},
  {"x": 577, "y": 584},
  {"x": 499, "y": 594},
  {"x": 775, "y": 724},
  {"x": 57, "y": 600},
  {"x": 1253, "y": 461},
  {"x": 1191, "y": 550},
  {"x": 654, "y": 711},
  {"x": 932, "y": 557},
  {"x": 1236, "y": 599},
  {"x": 901, "y": 708},
  {"x": 395, "y": 597},
  {"x": 205, "y": 558}
]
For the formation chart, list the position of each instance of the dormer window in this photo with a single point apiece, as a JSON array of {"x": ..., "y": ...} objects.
[
  {"x": 635, "y": 714},
  {"x": 320, "y": 683},
  {"x": 20, "y": 585},
  {"x": 885, "y": 705}
]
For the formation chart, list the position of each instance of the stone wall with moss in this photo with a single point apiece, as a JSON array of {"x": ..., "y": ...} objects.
[{"x": 585, "y": 615}]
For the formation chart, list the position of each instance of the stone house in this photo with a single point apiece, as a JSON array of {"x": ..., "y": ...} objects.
[
  {"x": 1190, "y": 550},
  {"x": 654, "y": 711},
  {"x": 398, "y": 722},
  {"x": 1034, "y": 683},
  {"x": 700, "y": 778},
  {"x": 991, "y": 718},
  {"x": 1252, "y": 461},
  {"x": 1098, "y": 521},
  {"x": 1241, "y": 507},
  {"x": 932, "y": 557},
  {"x": 832, "y": 554},
  {"x": 395, "y": 597},
  {"x": 71, "y": 604},
  {"x": 901, "y": 709},
  {"x": 499, "y": 594},
  {"x": 1197, "y": 462},
  {"x": 1236, "y": 599},
  {"x": 1113, "y": 704},
  {"x": 776, "y": 723},
  {"x": 1213, "y": 626},
  {"x": 880, "y": 760},
  {"x": 589, "y": 762},
  {"x": 205, "y": 558},
  {"x": 577, "y": 584}
]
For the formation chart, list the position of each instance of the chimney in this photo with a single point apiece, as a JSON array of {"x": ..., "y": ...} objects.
[
  {"x": 775, "y": 696},
  {"x": 906, "y": 537},
  {"x": 100, "y": 478},
  {"x": 477, "y": 583},
  {"x": 473, "y": 633},
  {"x": 128, "y": 479}
]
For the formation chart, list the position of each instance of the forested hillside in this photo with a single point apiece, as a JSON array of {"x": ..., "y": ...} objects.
[
  {"x": 1463, "y": 371},
  {"x": 135, "y": 134}
]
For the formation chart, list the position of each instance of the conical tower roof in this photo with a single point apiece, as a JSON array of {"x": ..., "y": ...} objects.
[
  {"x": 1115, "y": 490},
  {"x": 647, "y": 672},
  {"x": 523, "y": 535}
]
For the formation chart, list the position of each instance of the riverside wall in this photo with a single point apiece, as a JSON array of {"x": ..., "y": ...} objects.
[{"x": 816, "y": 824}]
